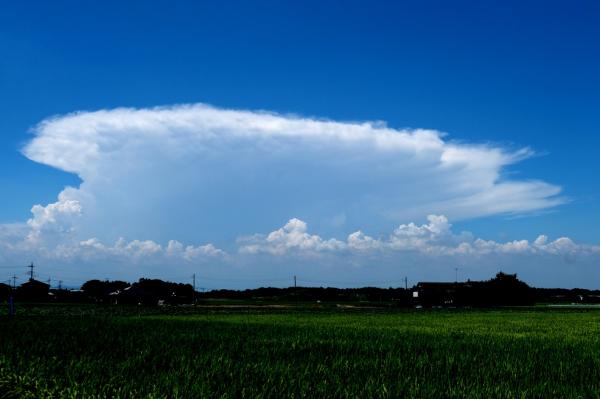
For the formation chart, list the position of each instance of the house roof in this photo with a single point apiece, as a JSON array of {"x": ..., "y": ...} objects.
[{"x": 35, "y": 283}]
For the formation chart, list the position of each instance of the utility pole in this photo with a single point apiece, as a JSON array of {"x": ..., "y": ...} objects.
[
  {"x": 406, "y": 283},
  {"x": 49, "y": 281},
  {"x": 295, "y": 293},
  {"x": 31, "y": 271},
  {"x": 194, "y": 286},
  {"x": 60, "y": 284},
  {"x": 14, "y": 279},
  {"x": 456, "y": 274}
]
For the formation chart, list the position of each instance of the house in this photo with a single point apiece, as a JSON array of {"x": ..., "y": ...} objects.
[
  {"x": 503, "y": 290},
  {"x": 430, "y": 294},
  {"x": 33, "y": 290},
  {"x": 5, "y": 291},
  {"x": 153, "y": 292}
]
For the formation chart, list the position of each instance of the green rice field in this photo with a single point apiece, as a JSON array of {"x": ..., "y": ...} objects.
[{"x": 94, "y": 352}]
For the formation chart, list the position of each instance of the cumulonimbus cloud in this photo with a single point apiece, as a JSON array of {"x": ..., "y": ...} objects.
[
  {"x": 197, "y": 171},
  {"x": 166, "y": 176}
]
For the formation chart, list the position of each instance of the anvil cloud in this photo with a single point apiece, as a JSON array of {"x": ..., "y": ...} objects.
[{"x": 150, "y": 169}]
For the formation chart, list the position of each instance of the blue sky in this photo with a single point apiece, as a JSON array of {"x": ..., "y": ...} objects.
[{"x": 505, "y": 75}]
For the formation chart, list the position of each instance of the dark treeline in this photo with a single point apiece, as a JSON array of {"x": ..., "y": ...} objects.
[
  {"x": 502, "y": 290},
  {"x": 5, "y": 291},
  {"x": 312, "y": 294},
  {"x": 562, "y": 295},
  {"x": 144, "y": 292}
]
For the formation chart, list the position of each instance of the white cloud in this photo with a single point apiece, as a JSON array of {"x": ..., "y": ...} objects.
[
  {"x": 56, "y": 217},
  {"x": 166, "y": 170},
  {"x": 133, "y": 251},
  {"x": 423, "y": 251},
  {"x": 19, "y": 245},
  {"x": 291, "y": 237},
  {"x": 143, "y": 249},
  {"x": 434, "y": 238},
  {"x": 359, "y": 241},
  {"x": 190, "y": 252},
  {"x": 209, "y": 175}
]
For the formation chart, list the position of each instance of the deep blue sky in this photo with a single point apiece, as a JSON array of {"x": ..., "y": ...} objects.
[{"x": 518, "y": 73}]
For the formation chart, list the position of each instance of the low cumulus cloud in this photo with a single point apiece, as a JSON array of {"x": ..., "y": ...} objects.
[
  {"x": 428, "y": 251},
  {"x": 434, "y": 238}
]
